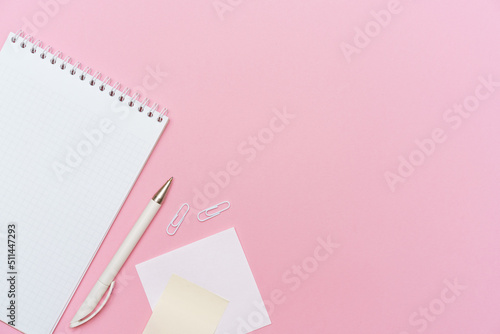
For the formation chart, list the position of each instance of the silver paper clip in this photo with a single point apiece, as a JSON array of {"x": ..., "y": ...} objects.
[
  {"x": 176, "y": 226},
  {"x": 212, "y": 215}
]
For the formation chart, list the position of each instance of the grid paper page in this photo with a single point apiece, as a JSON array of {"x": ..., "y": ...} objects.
[{"x": 69, "y": 156}]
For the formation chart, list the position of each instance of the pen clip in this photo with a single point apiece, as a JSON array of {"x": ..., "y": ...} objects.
[{"x": 97, "y": 309}]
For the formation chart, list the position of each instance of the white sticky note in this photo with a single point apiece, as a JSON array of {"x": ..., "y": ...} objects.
[
  {"x": 218, "y": 264},
  {"x": 186, "y": 308}
]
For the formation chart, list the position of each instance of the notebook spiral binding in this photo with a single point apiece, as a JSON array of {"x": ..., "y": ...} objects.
[{"x": 86, "y": 73}]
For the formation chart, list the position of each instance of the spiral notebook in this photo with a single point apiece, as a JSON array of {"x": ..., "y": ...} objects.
[{"x": 71, "y": 148}]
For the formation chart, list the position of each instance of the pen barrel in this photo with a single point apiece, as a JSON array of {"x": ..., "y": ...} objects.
[{"x": 129, "y": 243}]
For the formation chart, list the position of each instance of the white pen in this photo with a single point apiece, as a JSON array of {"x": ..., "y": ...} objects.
[{"x": 106, "y": 282}]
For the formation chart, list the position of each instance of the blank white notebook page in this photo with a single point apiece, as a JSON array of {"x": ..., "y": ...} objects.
[{"x": 69, "y": 156}]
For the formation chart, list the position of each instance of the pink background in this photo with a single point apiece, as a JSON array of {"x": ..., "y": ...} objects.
[{"x": 323, "y": 175}]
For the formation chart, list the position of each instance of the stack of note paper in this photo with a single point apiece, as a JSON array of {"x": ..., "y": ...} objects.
[{"x": 195, "y": 283}]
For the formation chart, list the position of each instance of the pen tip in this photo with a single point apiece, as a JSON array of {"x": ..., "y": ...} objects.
[{"x": 162, "y": 193}]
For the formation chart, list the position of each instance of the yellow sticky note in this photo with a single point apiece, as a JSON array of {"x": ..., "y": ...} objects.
[{"x": 186, "y": 308}]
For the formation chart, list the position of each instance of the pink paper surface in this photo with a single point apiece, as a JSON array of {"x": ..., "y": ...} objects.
[{"x": 421, "y": 256}]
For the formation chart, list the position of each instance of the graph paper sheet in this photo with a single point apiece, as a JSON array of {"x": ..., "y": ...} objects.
[{"x": 69, "y": 155}]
